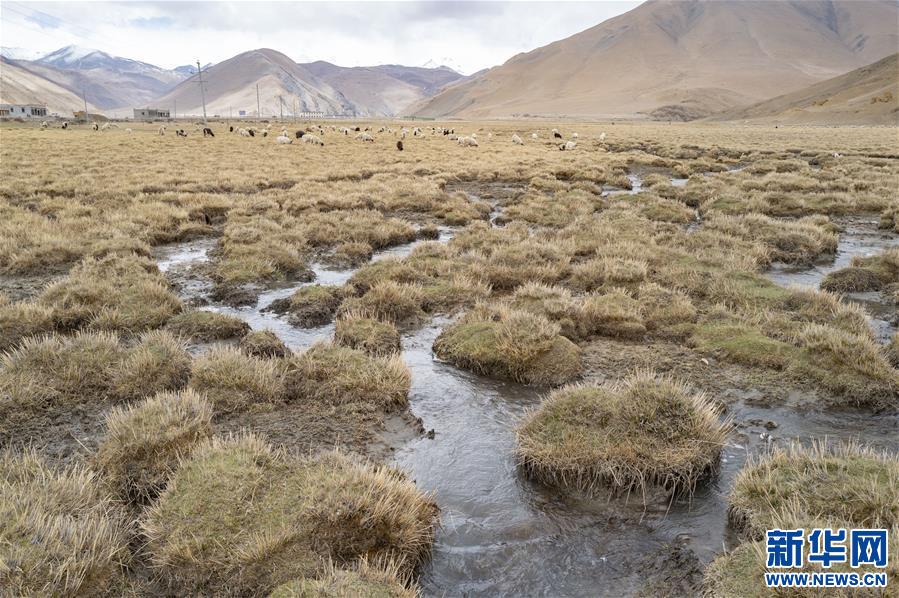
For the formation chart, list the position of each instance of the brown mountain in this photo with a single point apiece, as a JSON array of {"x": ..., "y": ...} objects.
[
  {"x": 231, "y": 87},
  {"x": 21, "y": 86},
  {"x": 681, "y": 59},
  {"x": 385, "y": 90},
  {"x": 865, "y": 96}
]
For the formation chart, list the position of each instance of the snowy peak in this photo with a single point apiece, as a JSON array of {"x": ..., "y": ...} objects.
[
  {"x": 13, "y": 53},
  {"x": 72, "y": 56}
]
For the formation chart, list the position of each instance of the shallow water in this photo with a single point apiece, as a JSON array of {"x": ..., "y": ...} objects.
[
  {"x": 503, "y": 535},
  {"x": 858, "y": 237}
]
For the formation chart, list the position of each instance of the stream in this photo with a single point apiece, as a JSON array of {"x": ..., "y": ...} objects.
[{"x": 503, "y": 535}]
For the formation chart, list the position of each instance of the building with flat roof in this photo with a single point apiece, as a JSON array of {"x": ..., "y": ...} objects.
[
  {"x": 23, "y": 111},
  {"x": 150, "y": 113}
]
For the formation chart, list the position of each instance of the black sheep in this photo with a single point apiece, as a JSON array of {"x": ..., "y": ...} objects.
[
  {"x": 557, "y": 135},
  {"x": 399, "y": 145},
  {"x": 231, "y": 129},
  {"x": 300, "y": 134},
  {"x": 251, "y": 132},
  {"x": 207, "y": 132}
]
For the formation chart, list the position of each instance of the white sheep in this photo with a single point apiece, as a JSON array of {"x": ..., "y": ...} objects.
[
  {"x": 44, "y": 124},
  {"x": 574, "y": 136},
  {"x": 452, "y": 137},
  {"x": 309, "y": 138},
  {"x": 162, "y": 130},
  {"x": 129, "y": 131},
  {"x": 568, "y": 146},
  {"x": 104, "y": 127},
  {"x": 364, "y": 137},
  {"x": 602, "y": 136},
  {"x": 468, "y": 141},
  {"x": 284, "y": 139},
  {"x": 534, "y": 136},
  {"x": 517, "y": 140},
  {"x": 65, "y": 124},
  {"x": 243, "y": 132}
]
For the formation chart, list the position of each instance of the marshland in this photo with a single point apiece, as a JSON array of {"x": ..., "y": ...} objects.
[{"x": 232, "y": 366}]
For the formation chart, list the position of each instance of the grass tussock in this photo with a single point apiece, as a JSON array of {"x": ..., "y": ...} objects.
[
  {"x": 358, "y": 330},
  {"x": 644, "y": 431},
  {"x": 21, "y": 320},
  {"x": 615, "y": 313},
  {"x": 336, "y": 375},
  {"x": 509, "y": 343},
  {"x": 46, "y": 375},
  {"x": 364, "y": 579},
  {"x": 240, "y": 518},
  {"x": 207, "y": 326},
  {"x": 263, "y": 343},
  {"x": 159, "y": 362},
  {"x": 234, "y": 381},
  {"x": 871, "y": 273},
  {"x": 395, "y": 302},
  {"x": 118, "y": 294},
  {"x": 846, "y": 482},
  {"x": 145, "y": 440},
  {"x": 61, "y": 533},
  {"x": 313, "y": 305}
]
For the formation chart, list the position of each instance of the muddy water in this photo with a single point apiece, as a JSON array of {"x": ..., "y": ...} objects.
[{"x": 858, "y": 237}]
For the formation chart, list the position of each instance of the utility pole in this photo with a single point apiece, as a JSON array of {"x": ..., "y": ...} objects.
[
  {"x": 84, "y": 97},
  {"x": 175, "y": 109},
  {"x": 294, "y": 110},
  {"x": 281, "y": 105},
  {"x": 258, "y": 111},
  {"x": 202, "y": 91}
]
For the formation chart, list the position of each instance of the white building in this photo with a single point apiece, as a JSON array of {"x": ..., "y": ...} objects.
[{"x": 22, "y": 111}]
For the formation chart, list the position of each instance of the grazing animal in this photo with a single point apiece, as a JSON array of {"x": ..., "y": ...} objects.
[
  {"x": 568, "y": 146},
  {"x": 44, "y": 124},
  {"x": 95, "y": 127},
  {"x": 313, "y": 140},
  {"x": 602, "y": 136},
  {"x": 300, "y": 134},
  {"x": 231, "y": 129},
  {"x": 265, "y": 132},
  {"x": 364, "y": 137},
  {"x": 181, "y": 133},
  {"x": 207, "y": 132},
  {"x": 574, "y": 135},
  {"x": 517, "y": 140},
  {"x": 104, "y": 127},
  {"x": 468, "y": 141},
  {"x": 162, "y": 130},
  {"x": 243, "y": 132},
  {"x": 129, "y": 131},
  {"x": 399, "y": 145},
  {"x": 284, "y": 139},
  {"x": 535, "y": 136},
  {"x": 65, "y": 125},
  {"x": 252, "y": 132},
  {"x": 556, "y": 134}
]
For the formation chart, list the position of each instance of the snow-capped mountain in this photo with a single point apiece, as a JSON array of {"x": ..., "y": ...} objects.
[
  {"x": 107, "y": 81},
  {"x": 20, "y": 53}
]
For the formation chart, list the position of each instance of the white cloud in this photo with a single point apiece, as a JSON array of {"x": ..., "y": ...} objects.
[{"x": 475, "y": 34}]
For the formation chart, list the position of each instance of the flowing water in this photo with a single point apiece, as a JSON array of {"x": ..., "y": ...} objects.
[
  {"x": 858, "y": 237},
  {"x": 503, "y": 535}
]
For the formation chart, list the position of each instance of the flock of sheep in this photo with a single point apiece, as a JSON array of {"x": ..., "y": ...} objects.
[{"x": 313, "y": 134}]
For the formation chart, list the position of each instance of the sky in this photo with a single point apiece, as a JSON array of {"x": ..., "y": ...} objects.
[{"x": 468, "y": 36}]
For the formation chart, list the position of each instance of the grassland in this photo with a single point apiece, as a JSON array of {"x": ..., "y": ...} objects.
[{"x": 128, "y": 393}]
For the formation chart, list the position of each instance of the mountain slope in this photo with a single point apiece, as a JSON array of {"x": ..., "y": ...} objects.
[
  {"x": 693, "y": 57},
  {"x": 865, "y": 96},
  {"x": 231, "y": 87},
  {"x": 108, "y": 81},
  {"x": 20, "y": 86},
  {"x": 385, "y": 90}
]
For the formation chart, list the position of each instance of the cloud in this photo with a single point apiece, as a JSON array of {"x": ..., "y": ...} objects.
[{"x": 474, "y": 35}]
